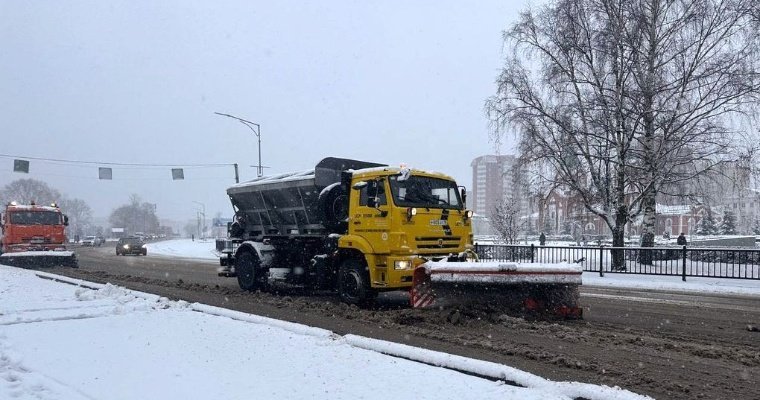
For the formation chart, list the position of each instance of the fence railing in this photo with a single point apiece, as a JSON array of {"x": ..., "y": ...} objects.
[{"x": 674, "y": 261}]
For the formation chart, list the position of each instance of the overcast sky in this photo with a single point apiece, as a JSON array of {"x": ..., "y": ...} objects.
[{"x": 139, "y": 82}]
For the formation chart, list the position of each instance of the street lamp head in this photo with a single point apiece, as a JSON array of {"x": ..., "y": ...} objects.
[{"x": 256, "y": 132}]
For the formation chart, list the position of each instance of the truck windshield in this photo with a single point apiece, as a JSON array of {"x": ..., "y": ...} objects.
[
  {"x": 35, "y": 218},
  {"x": 422, "y": 191}
]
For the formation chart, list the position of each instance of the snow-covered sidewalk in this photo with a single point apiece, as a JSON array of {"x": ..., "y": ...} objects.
[
  {"x": 727, "y": 286},
  {"x": 60, "y": 341}
]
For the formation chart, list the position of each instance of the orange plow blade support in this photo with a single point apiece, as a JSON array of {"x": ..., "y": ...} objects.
[{"x": 533, "y": 288}]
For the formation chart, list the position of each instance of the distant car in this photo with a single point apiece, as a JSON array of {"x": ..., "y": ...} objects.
[
  {"x": 131, "y": 245},
  {"x": 99, "y": 240},
  {"x": 89, "y": 241}
]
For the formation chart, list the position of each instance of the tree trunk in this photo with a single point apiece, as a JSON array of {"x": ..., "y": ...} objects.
[
  {"x": 618, "y": 239},
  {"x": 649, "y": 201},
  {"x": 648, "y": 227}
]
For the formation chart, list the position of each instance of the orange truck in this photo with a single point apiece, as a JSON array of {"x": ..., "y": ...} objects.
[{"x": 34, "y": 235}]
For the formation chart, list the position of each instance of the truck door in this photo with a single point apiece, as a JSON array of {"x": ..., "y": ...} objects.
[{"x": 370, "y": 218}]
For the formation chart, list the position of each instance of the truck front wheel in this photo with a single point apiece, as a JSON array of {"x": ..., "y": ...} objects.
[
  {"x": 249, "y": 272},
  {"x": 353, "y": 284}
]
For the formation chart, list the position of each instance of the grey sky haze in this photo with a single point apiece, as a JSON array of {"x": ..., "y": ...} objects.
[{"x": 139, "y": 82}]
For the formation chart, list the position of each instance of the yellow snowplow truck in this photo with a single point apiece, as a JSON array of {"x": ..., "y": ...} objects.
[{"x": 360, "y": 228}]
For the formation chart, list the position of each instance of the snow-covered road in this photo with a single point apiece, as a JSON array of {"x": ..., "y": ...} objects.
[{"x": 60, "y": 341}]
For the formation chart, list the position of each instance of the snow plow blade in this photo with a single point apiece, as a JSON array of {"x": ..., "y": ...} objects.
[
  {"x": 524, "y": 288},
  {"x": 40, "y": 259}
]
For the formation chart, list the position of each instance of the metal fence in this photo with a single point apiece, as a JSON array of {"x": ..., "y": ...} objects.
[{"x": 674, "y": 261}]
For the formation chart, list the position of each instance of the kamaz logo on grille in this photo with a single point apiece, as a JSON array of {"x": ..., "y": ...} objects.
[{"x": 439, "y": 222}]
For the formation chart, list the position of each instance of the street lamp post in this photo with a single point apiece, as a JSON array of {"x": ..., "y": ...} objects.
[
  {"x": 198, "y": 223},
  {"x": 203, "y": 213},
  {"x": 257, "y": 132}
]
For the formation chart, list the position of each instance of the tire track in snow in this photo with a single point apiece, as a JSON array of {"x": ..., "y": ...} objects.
[{"x": 684, "y": 303}]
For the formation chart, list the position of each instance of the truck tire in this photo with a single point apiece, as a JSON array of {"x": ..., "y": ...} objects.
[
  {"x": 249, "y": 273},
  {"x": 333, "y": 205},
  {"x": 353, "y": 284}
]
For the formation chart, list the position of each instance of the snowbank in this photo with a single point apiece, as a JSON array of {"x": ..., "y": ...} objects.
[{"x": 185, "y": 248}]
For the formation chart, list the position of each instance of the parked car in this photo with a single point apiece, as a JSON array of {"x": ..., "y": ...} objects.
[
  {"x": 89, "y": 241},
  {"x": 99, "y": 240},
  {"x": 131, "y": 245}
]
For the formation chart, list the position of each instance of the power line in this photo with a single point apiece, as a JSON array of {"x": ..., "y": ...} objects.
[
  {"x": 120, "y": 178},
  {"x": 114, "y": 163}
]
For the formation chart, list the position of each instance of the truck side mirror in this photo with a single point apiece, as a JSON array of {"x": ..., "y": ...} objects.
[
  {"x": 463, "y": 192},
  {"x": 65, "y": 220},
  {"x": 374, "y": 202}
]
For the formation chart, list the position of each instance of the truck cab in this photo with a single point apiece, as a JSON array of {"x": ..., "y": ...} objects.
[
  {"x": 398, "y": 218},
  {"x": 32, "y": 228}
]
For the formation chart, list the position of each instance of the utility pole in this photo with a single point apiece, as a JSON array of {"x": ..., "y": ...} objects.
[{"x": 257, "y": 132}]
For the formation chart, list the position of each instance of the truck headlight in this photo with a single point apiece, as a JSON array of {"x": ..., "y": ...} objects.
[
  {"x": 145, "y": 246},
  {"x": 401, "y": 264}
]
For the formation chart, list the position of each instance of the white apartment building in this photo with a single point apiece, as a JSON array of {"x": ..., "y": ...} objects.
[{"x": 495, "y": 177}]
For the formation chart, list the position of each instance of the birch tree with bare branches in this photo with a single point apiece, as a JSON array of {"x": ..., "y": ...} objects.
[
  {"x": 505, "y": 220},
  {"x": 623, "y": 98},
  {"x": 695, "y": 68}
]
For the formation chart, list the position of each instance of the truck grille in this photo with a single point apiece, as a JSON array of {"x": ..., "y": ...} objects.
[
  {"x": 442, "y": 242},
  {"x": 35, "y": 240}
]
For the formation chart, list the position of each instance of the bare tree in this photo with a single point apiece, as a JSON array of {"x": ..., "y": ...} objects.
[
  {"x": 623, "y": 98},
  {"x": 694, "y": 69},
  {"x": 571, "y": 109},
  {"x": 79, "y": 213},
  {"x": 27, "y": 190},
  {"x": 137, "y": 216},
  {"x": 506, "y": 220}
]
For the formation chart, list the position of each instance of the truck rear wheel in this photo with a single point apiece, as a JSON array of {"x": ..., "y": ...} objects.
[
  {"x": 250, "y": 275},
  {"x": 353, "y": 284}
]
